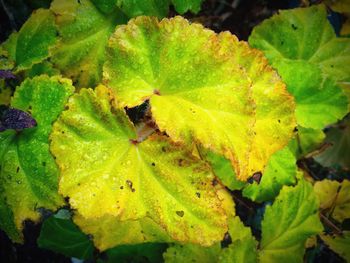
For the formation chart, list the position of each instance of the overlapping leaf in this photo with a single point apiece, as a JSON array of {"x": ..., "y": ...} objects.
[
  {"x": 84, "y": 33},
  {"x": 204, "y": 87},
  {"x": 303, "y": 47},
  {"x": 288, "y": 223},
  {"x": 106, "y": 172},
  {"x": 29, "y": 175},
  {"x": 32, "y": 43},
  {"x": 334, "y": 198}
]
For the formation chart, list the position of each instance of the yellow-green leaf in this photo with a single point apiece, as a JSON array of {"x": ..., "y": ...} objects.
[
  {"x": 334, "y": 198},
  {"x": 202, "y": 87},
  {"x": 288, "y": 223},
  {"x": 83, "y": 32},
  {"x": 105, "y": 171},
  {"x": 29, "y": 175},
  {"x": 32, "y": 43}
]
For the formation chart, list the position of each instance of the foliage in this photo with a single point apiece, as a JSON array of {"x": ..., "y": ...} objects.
[{"x": 221, "y": 125}]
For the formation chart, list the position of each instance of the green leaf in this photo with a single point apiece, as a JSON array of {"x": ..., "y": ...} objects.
[
  {"x": 202, "y": 87},
  {"x": 339, "y": 151},
  {"x": 303, "y": 47},
  {"x": 334, "y": 198},
  {"x": 339, "y": 244},
  {"x": 109, "y": 232},
  {"x": 104, "y": 171},
  {"x": 288, "y": 223},
  {"x": 133, "y": 8},
  {"x": 29, "y": 175},
  {"x": 84, "y": 32},
  {"x": 63, "y": 236},
  {"x": 32, "y": 43},
  {"x": 147, "y": 252},
  {"x": 5, "y": 93},
  {"x": 280, "y": 170},
  {"x": 182, "y": 6},
  {"x": 41, "y": 69}
]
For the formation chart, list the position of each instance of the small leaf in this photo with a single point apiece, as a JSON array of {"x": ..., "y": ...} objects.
[
  {"x": 288, "y": 223},
  {"x": 334, "y": 198},
  {"x": 29, "y": 175},
  {"x": 105, "y": 171},
  {"x": 63, "y": 236},
  {"x": 83, "y": 32},
  {"x": 339, "y": 244},
  {"x": 32, "y": 43},
  {"x": 202, "y": 87},
  {"x": 182, "y": 6},
  {"x": 280, "y": 170}
]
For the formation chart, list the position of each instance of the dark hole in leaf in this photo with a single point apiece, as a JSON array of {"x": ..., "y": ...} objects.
[
  {"x": 180, "y": 213},
  {"x": 256, "y": 177}
]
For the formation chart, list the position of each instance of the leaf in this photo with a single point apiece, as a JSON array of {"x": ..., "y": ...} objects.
[
  {"x": 109, "y": 232},
  {"x": 338, "y": 153},
  {"x": 63, "y": 236},
  {"x": 29, "y": 175},
  {"x": 281, "y": 170},
  {"x": 83, "y": 33},
  {"x": 339, "y": 244},
  {"x": 41, "y": 69},
  {"x": 182, "y": 6},
  {"x": 202, "y": 87},
  {"x": 334, "y": 198},
  {"x": 147, "y": 252},
  {"x": 304, "y": 34},
  {"x": 133, "y": 8},
  {"x": 303, "y": 47},
  {"x": 244, "y": 246},
  {"x": 32, "y": 43},
  {"x": 341, "y": 6},
  {"x": 288, "y": 223},
  {"x": 5, "y": 93},
  {"x": 104, "y": 171}
]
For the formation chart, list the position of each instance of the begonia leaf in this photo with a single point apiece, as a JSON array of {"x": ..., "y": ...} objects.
[
  {"x": 83, "y": 32},
  {"x": 202, "y": 87},
  {"x": 106, "y": 171},
  {"x": 29, "y": 175},
  {"x": 339, "y": 244},
  {"x": 288, "y": 222}
]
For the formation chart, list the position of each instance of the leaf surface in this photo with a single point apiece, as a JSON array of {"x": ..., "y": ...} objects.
[
  {"x": 202, "y": 87},
  {"x": 29, "y": 175},
  {"x": 303, "y": 47},
  {"x": 83, "y": 32},
  {"x": 288, "y": 223},
  {"x": 105, "y": 172}
]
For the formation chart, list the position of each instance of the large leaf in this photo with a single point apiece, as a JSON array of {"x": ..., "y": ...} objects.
[
  {"x": 288, "y": 223},
  {"x": 334, "y": 198},
  {"x": 192, "y": 253},
  {"x": 63, "y": 236},
  {"x": 202, "y": 87},
  {"x": 29, "y": 175},
  {"x": 32, "y": 43},
  {"x": 339, "y": 244},
  {"x": 104, "y": 171},
  {"x": 303, "y": 47},
  {"x": 281, "y": 170},
  {"x": 83, "y": 32}
]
